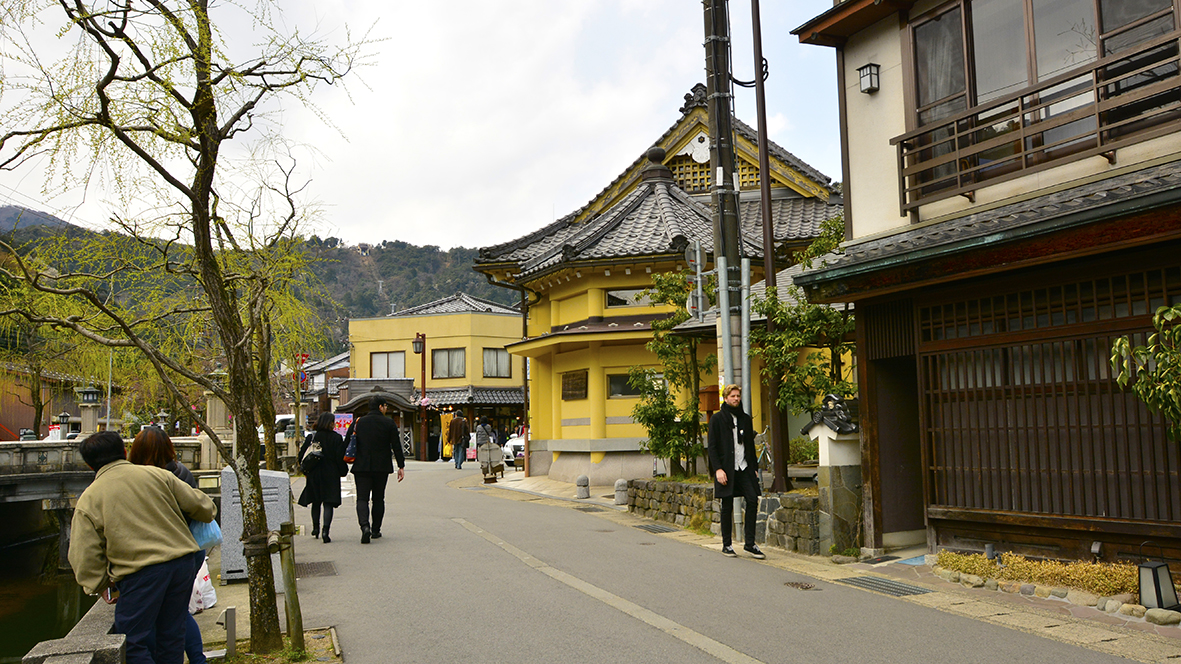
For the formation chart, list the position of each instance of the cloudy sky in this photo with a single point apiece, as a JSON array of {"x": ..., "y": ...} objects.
[{"x": 480, "y": 121}]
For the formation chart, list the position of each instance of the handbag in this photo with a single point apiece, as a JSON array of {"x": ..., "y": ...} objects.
[
  {"x": 208, "y": 535},
  {"x": 350, "y": 450},
  {"x": 312, "y": 456}
]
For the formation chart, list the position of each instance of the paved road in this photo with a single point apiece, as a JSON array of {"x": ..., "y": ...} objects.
[{"x": 468, "y": 574}]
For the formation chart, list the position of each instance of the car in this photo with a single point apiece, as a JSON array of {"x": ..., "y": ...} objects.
[{"x": 513, "y": 447}]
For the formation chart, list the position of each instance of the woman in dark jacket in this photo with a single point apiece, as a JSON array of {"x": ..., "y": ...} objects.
[
  {"x": 153, "y": 447},
  {"x": 323, "y": 480}
]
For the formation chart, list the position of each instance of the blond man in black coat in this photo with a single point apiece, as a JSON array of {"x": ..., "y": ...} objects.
[{"x": 732, "y": 455}]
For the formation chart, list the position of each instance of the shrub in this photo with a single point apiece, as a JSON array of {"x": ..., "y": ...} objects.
[
  {"x": 1103, "y": 579},
  {"x": 801, "y": 449}
]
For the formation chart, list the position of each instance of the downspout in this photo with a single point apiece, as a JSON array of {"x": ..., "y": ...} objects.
[{"x": 525, "y": 302}]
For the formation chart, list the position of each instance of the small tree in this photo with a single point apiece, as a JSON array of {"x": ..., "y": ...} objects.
[
  {"x": 1154, "y": 369},
  {"x": 666, "y": 424},
  {"x": 806, "y": 348},
  {"x": 682, "y": 370}
]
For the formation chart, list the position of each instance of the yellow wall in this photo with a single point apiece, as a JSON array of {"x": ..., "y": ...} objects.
[{"x": 471, "y": 331}]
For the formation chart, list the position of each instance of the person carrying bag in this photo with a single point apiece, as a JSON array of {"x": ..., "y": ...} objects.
[{"x": 322, "y": 472}]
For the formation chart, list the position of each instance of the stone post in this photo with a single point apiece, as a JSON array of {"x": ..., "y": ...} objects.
[
  {"x": 218, "y": 419},
  {"x": 839, "y": 476},
  {"x": 89, "y": 419}
]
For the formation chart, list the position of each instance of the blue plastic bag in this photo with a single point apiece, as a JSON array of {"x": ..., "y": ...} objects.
[{"x": 208, "y": 535}]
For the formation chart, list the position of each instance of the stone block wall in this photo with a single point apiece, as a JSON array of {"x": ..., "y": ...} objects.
[{"x": 787, "y": 521}]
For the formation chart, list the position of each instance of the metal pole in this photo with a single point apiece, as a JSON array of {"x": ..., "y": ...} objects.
[
  {"x": 421, "y": 405},
  {"x": 776, "y": 417},
  {"x": 700, "y": 286},
  {"x": 745, "y": 361},
  {"x": 724, "y": 322},
  {"x": 721, "y": 132}
]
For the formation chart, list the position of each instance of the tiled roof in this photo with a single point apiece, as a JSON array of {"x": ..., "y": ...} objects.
[
  {"x": 659, "y": 218},
  {"x": 460, "y": 303},
  {"x": 783, "y": 281},
  {"x": 554, "y": 234},
  {"x": 482, "y": 396},
  {"x": 334, "y": 362},
  {"x": 944, "y": 236}
]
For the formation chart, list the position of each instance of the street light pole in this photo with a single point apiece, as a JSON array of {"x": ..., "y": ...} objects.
[{"x": 420, "y": 349}]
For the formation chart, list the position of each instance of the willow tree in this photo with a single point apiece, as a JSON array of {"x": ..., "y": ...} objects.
[{"x": 148, "y": 105}]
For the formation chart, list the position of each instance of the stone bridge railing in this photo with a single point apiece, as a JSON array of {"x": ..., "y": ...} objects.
[{"x": 55, "y": 456}]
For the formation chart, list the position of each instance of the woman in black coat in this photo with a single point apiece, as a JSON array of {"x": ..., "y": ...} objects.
[{"x": 322, "y": 487}]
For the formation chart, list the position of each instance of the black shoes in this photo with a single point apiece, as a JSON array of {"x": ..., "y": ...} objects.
[
  {"x": 365, "y": 535},
  {"x": 315, "y": 533},
  {"x": 376, "y": 534},
  {"x": 729, "y": 551},
  {"x": 326, "y": 539},
  {"x": 753, "y": 550}
]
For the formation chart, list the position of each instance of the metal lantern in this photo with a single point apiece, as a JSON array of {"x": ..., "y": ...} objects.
[
  {"x": 870, "y": 77},
  {"x": 419, "y": 343},
  {"x": 90, "y": 394},
  {"x": 1156, "y": 584}
]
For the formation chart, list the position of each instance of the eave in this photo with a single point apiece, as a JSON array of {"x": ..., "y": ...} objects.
[
  {"x": 538, "y": 346},
  {"x": 835, "y": 26}
]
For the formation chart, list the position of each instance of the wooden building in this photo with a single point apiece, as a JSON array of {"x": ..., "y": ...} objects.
[
  {"x": 1013, "y": 205},
  {"x": 584, "y": 273}
]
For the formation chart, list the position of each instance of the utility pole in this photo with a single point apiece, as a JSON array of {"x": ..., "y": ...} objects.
[
  {"x": 723, "y": 194},
  {"x": 776, "y": 417}
]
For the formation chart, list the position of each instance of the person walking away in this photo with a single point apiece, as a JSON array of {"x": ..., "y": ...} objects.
[
  {"x": 483, "y": 432},
  {"x": 458, "y": 432},
  {"x": 732, "y": 455},
  {"x": 130, "y": 531},
  {"x": 322, "y": 481},
  {"x": 153, "y": 447},
  {"x": 377, "y": 446}
]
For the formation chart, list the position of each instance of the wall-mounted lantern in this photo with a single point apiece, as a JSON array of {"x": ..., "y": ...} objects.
[{"x": 870, "y": 77}]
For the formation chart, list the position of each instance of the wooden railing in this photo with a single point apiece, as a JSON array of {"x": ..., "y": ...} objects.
[{"x": 1116, "y": 101}]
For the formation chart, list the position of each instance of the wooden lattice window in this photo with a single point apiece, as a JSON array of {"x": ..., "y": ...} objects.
[
  {"x": 690, "y": 175},
  {"x": 1020, "y": 411},
  {"x": 748, "y": 175}
]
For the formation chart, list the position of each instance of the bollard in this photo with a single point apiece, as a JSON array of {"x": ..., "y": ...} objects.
[
  {"x": 229, "y": 620},
  {"x": 583, "y": 483},
  {"x": 621, "y": 491},
  {"x": 290, "y": 595}
]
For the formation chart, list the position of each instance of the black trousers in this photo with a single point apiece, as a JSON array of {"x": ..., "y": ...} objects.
[
  {"x": 370, "y": 485},
  {"x": 745, "y": 483}
]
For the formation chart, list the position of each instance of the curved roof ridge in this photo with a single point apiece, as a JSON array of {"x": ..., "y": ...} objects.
[
  {"x": 467, "y": 303},
  {"x": 668, "y": 216}
]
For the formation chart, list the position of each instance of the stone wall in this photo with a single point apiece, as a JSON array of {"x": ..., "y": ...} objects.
[{"x": 785, "y": 520}]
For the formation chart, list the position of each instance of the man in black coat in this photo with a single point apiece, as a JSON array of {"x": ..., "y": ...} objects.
[
  {"x": 732, "y": 455},
  {"x": 377, "y": 445}
]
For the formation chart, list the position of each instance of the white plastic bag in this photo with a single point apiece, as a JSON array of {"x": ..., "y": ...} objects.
[{"x": 204, "y": 596}]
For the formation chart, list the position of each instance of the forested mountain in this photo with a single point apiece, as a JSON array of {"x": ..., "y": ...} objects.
[
  {"x": 375, "y": 280},
  {"x": 364, "y": 280}
]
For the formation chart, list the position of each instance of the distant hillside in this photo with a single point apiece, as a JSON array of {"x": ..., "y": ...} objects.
[
  {"x": 22, "y": 225},
  {"x": 375, "y": 280}
]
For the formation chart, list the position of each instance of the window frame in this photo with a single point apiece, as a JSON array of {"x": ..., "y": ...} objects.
[
  {"x": 508, "y": 363},
  {"x": 633, "y": 302},
  {"x": 387, "y": 354},
  {"x": 450, "y": 352}
]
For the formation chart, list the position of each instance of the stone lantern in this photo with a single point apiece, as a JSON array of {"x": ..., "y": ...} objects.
[{"x": 89, "y": 406}]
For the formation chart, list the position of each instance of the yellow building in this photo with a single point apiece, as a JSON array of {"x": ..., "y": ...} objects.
[
  {"x": 468, "y": 368},
  {"x": 587, "y": 323}
]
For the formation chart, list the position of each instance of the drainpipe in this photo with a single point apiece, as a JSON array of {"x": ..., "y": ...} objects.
[
  {"x": 724, "y": 319},
  {"x": 746, "y": 336},
  {"x": 525, "y": 302}
]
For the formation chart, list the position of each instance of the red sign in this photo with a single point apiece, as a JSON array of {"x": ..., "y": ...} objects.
[{"x": 301, "y": 376}]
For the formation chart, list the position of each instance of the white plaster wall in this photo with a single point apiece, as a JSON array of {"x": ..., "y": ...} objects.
[{"x": 873, "y": 119}]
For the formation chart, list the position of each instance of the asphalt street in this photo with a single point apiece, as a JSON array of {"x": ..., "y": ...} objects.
[{"x": 473, "y": 574}]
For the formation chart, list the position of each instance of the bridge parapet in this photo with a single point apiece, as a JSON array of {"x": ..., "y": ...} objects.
[{"x": 40, "y": 456}]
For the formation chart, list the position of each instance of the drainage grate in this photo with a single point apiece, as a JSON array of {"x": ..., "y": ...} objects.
[
  {"x": 305, "y": 570},
  {"x": 799, "y": 585},
  {"x": 879, "y": 559},
  {"x": 589, "y": 508},
  {"x": 656, "y": 528},
  {"x": 884, "y": 586}
]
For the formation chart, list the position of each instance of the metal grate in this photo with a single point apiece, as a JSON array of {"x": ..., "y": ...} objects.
[
  {"x": 656, "y": 528},
  {"x": 589, "y": 508},
  {"x": 305, "y": 570},
  {"x": 884, "y": 586}
]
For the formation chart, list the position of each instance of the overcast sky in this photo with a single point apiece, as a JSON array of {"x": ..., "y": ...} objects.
[{"x": 481, "y": 121}]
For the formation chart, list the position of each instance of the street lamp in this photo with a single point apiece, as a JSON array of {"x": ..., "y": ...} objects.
[
  {"x": 419, "y": 346},
  {"x": 63, "y": 421}
]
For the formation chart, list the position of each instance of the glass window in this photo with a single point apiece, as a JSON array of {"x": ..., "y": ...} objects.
[
  {"x": 1063, "y": 35},
  {"x": 939, "y": 56},
  {"x": 617, "y": 386},
  {"x": 633, "y": 297},
  {"x": 387, "y": 365},
  {"x": 998, "y": 34},
  {"x": 448, "y": 363},
  {"x": 497, "y": 363}
]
